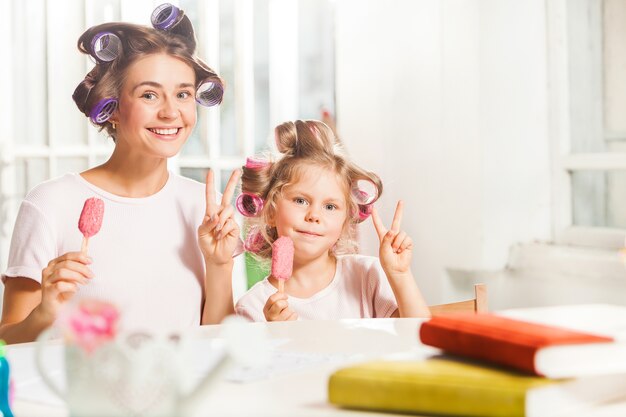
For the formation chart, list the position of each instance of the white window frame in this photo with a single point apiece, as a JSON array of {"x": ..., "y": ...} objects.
[
  {"x": 63, "y": 68},
  {"x": 560, "y": 62}
]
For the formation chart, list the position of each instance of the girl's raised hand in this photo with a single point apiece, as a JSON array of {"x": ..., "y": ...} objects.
[
  {"x": 219, "y": 233},
  {"x": 60, "y": 281},
  {"x": 396, "y": 247}
]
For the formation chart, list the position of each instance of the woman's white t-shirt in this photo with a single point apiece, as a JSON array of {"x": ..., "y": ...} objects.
[{"x": 146, "y": 258}]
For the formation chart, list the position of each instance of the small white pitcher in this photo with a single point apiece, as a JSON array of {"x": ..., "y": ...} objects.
[{"x": 143, "y": 375}]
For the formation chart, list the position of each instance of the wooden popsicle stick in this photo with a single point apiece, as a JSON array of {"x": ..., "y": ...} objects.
[
  {"x": 281, "y": 286},
  {"x": 83, "y": 247}
]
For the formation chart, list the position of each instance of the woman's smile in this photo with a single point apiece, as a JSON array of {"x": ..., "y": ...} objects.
[{"x": 167, "y": 134}]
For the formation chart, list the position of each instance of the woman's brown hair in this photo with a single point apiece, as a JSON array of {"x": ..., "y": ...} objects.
[{"x": 106, "y": 78}]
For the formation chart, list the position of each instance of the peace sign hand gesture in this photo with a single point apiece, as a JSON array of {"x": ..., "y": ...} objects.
[
  {"x": 396, "y": 247},
  {"x": 219, "y": 233}
]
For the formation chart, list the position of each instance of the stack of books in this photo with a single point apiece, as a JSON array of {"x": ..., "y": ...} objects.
[{"x": 491, "y": 366}]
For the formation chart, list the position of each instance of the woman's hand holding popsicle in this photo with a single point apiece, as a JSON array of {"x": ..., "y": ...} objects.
[
  {"x": 219, "y": 233},
  {"x": 60, "y": 280},
  {"x": 90, "y": 220}
]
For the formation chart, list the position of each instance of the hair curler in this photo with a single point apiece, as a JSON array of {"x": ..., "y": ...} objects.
[
  {"x": 170, "y": 18},
  {"x": 164, "y": 16},
  {"x": 105, "y": 47},
  {"x": 103, "y": 110},
  {"x": 254, "y": 241},
  {"x": 256, "y": 163},
  {"x": 365, "y": 194},
  {"x": 209, "y": 93},
  {"x": 249, "y": 205}
]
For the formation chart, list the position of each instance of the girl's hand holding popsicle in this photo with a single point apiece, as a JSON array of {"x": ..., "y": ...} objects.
[{"x": 277, "y": 308}]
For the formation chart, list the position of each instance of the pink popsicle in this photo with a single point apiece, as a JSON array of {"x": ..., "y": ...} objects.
[
  {"x": 90, "y": 219},
  {"x": 282, "y": 260}
]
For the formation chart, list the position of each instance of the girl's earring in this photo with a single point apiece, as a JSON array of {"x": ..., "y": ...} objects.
[{"x": 113, "y": 125}]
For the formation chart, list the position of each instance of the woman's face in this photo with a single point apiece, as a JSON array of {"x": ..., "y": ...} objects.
[{"x": 157, "y": 108}]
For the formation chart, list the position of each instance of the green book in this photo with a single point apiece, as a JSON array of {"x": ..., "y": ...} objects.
[{"x": 445, "y": 386}]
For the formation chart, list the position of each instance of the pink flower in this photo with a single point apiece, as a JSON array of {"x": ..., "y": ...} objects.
[{"x": 90, "y": 323}]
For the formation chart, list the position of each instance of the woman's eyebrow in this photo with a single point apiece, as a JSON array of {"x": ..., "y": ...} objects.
[{"x": 160, "y": 86}]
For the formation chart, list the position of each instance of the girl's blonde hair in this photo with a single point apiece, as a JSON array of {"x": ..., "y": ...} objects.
[
  {"x": 303, "y": 143},
  {"x": 106, "y": 78}
]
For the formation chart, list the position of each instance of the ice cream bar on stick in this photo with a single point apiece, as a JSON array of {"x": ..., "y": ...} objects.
[
  {"x": 282, "y": 261},
  {"x": 90, "y": 220}
]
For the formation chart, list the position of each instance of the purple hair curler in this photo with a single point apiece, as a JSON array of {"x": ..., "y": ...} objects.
[
  {"x": 105, "y": 47},
  {"x": 103, "y": 110},
  {"x": 249, "y": 205},
  {"x": 209, "y": 93},
  {"x": 164, "y": 16}
]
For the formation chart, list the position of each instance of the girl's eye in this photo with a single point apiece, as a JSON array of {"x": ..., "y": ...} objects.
[
  {"x": 299, "y": 200},
  {"x": 149, "y": 95},
  {"x": 184, "y": 94},
  {"x": 331, "y": 207}
]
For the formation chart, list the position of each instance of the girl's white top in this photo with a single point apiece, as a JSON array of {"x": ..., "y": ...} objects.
[
  {"x": 359, "y": 289},
  {"x": 146, "y": 258}
]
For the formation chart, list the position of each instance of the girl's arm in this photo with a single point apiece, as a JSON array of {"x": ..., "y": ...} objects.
[
  {"x": 395, "y": 257},
  {"x": 410, "y": 301}
]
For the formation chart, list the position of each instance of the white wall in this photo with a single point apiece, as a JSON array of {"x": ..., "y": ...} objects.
[{"x": 447, "y": 101}]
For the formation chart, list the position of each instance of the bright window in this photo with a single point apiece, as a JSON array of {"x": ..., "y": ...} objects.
[
  {"x": 276, "y": 56},
  {"x": 588, "y": 89}
]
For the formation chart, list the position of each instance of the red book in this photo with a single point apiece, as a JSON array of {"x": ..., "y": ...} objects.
[{"x": 550, "y": 351}]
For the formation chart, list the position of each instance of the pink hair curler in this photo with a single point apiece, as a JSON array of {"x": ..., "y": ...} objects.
[
  {"x": 254, "y": 241},
  {"x": 365, "y": 210},
  {"x": 249, "y": 205},
  {"x": 254, "y": 163},
  {"x": 365, "y": 193}
]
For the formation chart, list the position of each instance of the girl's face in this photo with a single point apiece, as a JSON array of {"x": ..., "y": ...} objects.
[
  {"x": 157, "y": 109},
  {"x": 312, "y": 212}
]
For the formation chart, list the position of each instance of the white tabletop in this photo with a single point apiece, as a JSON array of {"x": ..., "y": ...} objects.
[{"x": 292, "y": 390}]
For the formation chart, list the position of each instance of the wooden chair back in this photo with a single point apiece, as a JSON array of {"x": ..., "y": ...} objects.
[{"x": 478, "y": 304}]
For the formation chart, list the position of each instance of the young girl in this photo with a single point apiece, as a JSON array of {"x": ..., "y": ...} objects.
[
  {"x": 164, "y": 252},
  {"x": 315, "y": 196}
]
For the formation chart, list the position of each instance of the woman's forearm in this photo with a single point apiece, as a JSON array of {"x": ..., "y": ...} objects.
[{"x": 26, "y": 330}]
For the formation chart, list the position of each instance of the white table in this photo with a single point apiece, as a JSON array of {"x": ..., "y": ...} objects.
[{"x": 304, "y": 393}]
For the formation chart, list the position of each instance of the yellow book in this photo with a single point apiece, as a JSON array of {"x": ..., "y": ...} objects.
[{"x": 451, "y": 387}]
